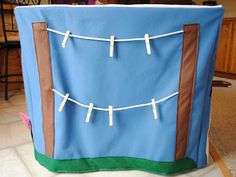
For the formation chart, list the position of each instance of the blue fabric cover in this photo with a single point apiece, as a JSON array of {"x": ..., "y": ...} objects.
[{"x": 85, "y": 71}]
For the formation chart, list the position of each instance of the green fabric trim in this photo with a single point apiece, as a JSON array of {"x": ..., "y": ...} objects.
[{"x": 113, "y": 164}]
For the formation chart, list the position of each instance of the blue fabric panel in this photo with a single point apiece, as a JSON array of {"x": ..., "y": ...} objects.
[
  {"x": 202, "y": 160},
  {"x": 31, "y": 84},
  {"x": 205, "y": 70},
  {"x": 84, "y": 70}
]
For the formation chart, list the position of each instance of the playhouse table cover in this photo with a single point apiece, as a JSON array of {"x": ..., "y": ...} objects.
[{"x": 119, "y": 87}]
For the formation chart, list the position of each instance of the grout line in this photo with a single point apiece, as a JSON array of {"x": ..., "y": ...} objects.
[
  {"x": 22, "y": 161},
  {"x": 17, "y": 145},
  {"x": 14, "y": 121},
  {"x": 80, "y": 174},
  {"x": 12, "y": 105},
  {"x": 218, "y": 160},
  {"x": 56, "y": 174},
  {"x": 87, "y": 174}
]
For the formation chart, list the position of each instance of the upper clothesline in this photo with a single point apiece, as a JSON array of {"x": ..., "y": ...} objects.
[
  {"x": 113, "y": 39},
  {"x": 116, "y": 39}
]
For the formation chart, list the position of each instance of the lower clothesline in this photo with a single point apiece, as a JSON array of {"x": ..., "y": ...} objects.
[
  {"x": 119, "y": 108},
  {"x": 110, "y": 108}
]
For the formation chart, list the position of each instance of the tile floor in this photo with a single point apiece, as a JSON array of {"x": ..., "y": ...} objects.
[{"x": 16, "y": 149}]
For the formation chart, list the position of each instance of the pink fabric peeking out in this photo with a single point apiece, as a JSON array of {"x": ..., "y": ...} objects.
[{"x": 25, "y": 119}]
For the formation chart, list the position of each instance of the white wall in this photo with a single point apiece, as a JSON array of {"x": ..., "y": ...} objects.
[{"x": 229, "y": 5}]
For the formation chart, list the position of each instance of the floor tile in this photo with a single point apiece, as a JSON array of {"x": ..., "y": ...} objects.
[
  {"x": 115, "y": 174},
  {"x": 181, "y": 175},
  {"x": 121, "y": 174},
  {"x": 223, "y": 124},
  {"x": 11, "y": 114},
  {"x": 26, "y": 153},
  {"x": 11, "y": 165},
  {"x": 132, "y": 173},
  {"x": 16, "y": 98},
  {"x": 70, "y": 175},
  {"x": 210, "y": 171},
  {"x": 14, "y": 134}
]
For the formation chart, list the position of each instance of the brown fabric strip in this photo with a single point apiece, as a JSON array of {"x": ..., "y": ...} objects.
[
  {"x": 186, "y": 87},
  {"x": 42, "y": 48}
]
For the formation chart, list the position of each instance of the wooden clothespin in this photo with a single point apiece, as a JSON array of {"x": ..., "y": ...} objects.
[
  {"x": 66, "y": 37},
  {"x": 112, "y": 43},
  {"x": 110, "y": 116},
  {"x": 89, "y": 113},
  {"x": 147, "y": 41},
  {"x": 154, "y": 109},
  {"x": 63, "y": 102}
]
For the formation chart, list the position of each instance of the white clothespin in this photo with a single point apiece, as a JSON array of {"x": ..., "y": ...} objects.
[
  {"x": 110, "y": 116},
  {"x": 67, "y": 35},
  {"x": 112, "y": 43},
  {"x": 154, "y": 109},
  {"x": 63, "y": 102},
  {"x": 89, "y": 113},
  {"x": 147, "y": 41}
]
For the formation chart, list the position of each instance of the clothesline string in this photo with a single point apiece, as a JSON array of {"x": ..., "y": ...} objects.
[
  {"x": 116, "y": 39},
  {"x": 116, "y": 109}
]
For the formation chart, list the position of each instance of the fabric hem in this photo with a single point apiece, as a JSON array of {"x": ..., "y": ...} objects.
[{"x": 86, "y": 165}]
